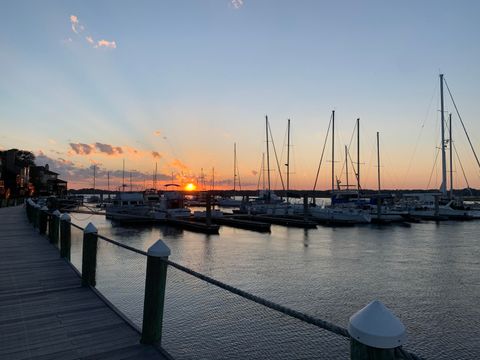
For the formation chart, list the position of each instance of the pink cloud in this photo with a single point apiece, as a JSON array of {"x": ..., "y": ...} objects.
[{"x": 107, "y": 44}]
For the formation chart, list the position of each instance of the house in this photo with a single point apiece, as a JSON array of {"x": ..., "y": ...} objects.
[{"x": 46, "y": 182}]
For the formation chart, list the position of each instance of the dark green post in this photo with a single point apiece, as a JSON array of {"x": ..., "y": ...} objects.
[
  {"x": 375, "y": 333},
  {"x": 55, "y": 225},
  {"x": 28, "y": 207},
  {"x": 155, "y": 285},
  {"x": 65, "y": 236},
  {"x": 51, "y": 227},
  {"x": 89, "y": 258},
  {"x": 42, "y": 220},
  {"x": 36, "y": 217}
]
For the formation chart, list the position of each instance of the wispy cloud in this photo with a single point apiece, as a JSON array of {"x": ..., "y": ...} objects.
[
  {"x": 78, "y": 28},
  {"x": 107, "y": 44},
  {"x": 156, "y": 155},
  {"x": 157, "y": 133},
  {"x": 237, "y": 4},
  {"x": 98, "y": 148},
  {"x": 178, "y": 164}
]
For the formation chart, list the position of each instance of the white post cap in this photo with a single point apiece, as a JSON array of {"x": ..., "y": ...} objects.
[
  {"x": 90, "y": 229},
  {"x": 44, "y": 208},
  {"x": 159, "y": 249},
  {"x": 57, "y": 213},
  {"x": 65, "y": 217},
  {"x": 376, "y": 326}
]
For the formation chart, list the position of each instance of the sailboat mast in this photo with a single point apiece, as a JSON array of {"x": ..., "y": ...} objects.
[
  {"x": 333, "y": 151},
  {"x": 378, "y": 161},
  {"x": 451, "y": 158},
  {"x": 358, "y": 156},
  {"x": 288, "y": 158},
  {"x": 108, "y": 183},
  {"x": 346, "y": 165},
  {"x": 268, "y": 157},
  {"x": 234, "y": 166},
  {"x": 263, "y": 171},
  {"x": 443, "y": 187},
  {"x": 123, "y": 176},
  {"x": 94, "y": 168}
]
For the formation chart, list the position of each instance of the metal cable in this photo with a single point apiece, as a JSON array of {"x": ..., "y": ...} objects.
[
  {"x": 296, "y": 314},
  {"x": 141, "y": 252}
]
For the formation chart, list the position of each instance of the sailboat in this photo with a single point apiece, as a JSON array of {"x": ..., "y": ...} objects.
[
  {"x": 443, "y": 206},
  {"x": 230, "y": 201},
  {"x": 339, "y": 212}
]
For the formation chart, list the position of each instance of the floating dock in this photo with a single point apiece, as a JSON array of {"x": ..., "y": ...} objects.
[{"x": 279, "y": 220}]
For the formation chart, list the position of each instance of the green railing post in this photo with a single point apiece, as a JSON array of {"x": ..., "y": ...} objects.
[
  {"x": 51, "y": 227},
  {"x": 55, "y": 224},
  {"x": 42, "y": 220},
  {"x": 36, "y": 215},
  {"x": 65, "y": 236},
  {"x": 375, "y": 333},
  {"x": 89, "y": 258},
  {"x": 155, "y": 284},
  {"x": 28, "y": 208}
]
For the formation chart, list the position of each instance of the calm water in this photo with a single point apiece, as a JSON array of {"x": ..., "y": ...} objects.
[{"x": 428, "y": 274}]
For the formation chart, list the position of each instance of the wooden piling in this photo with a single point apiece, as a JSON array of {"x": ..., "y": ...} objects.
[
  {"x": 65, "y": 236},
  {"x": 155, "y": 285},
  {"x": 89, "y": 258},
  {"x": 375, "y": 333}
]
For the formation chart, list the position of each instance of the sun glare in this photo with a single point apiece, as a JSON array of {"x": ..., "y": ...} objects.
[{"x": 190, "y": 187}]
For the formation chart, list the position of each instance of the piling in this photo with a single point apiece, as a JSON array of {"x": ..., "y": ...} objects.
[
  {"x": 209, "y": 210},
  {"x": 375, "y": 333},
  {"x": 437, "y": 205},
  {"x": 89, "y": 258},
  {"x": 42, "y": 220},
  {"x": 155, "y": 284},
  {"x": 65, "y": 236},
  {"x": 305, "y": 207}
]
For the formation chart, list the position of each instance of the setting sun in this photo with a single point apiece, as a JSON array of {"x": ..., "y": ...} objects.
[{"x": 190, "y": 187}]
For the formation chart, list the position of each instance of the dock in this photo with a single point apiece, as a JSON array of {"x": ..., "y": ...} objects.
[{"x": 45, "y": 313}]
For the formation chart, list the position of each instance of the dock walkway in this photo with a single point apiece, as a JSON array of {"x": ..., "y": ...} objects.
[{"x": 45, "y": 313}]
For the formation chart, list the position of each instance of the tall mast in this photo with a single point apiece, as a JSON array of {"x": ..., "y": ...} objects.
[
  {"x": 288, "y": 158},
  {"x": 268, "y": 157},
  {"x": 443, "y": 187},
  {"x": 263, "y": 171},
  {"x": 123, "y": 176},
  {"x": 451, "y": 158},
  {"x": 358, "y": 156},
  {"x": 108, "y": 183},
  {"x": 213, "y": 179},
  {"x": 234, "y": 166},
  {"x": 94, "y": 168},
  {"x": 155, "y": 177},
  {"x": 346, "y": 165},
  {"x": 378, "y": 161},
  {"x": 131, "y": 189},
  {"x": 333, "y": 151}
]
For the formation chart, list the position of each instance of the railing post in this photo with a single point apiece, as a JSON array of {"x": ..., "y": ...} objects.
[
  {"x": 55, "y": 224},
  {"x": 89, "y": 258},
  {"x": 65, "y": 236},
  {"x": 28, "y": 207},
  {"x": 375, "y": 333},
  {"x": 36, "y": 215},
  {"x": 155, "y": 284},
  {"x": 51, "y": 227},
  {"x": 42, "y": 220}
]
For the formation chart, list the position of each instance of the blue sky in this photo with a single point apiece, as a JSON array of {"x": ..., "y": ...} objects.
[{"x": 187, "y": 79}]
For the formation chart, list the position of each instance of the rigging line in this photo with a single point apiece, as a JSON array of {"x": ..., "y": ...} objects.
[
  {"x": 463, "y": 125},
  {"x": 419, "y": 135},
  {"x": 276, "y": 157},
  {"x": 461, "y": 166},
  {"x": 323, "y": 152},
  {"x": 434, "y": 166}
]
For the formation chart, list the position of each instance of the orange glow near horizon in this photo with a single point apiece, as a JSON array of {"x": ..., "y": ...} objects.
[{"x": 190, "y": 187}]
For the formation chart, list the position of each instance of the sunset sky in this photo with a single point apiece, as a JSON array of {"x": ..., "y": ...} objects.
[{"x": 176, "y": 83}]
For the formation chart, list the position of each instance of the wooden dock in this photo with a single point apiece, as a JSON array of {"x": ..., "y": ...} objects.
[{"x": 45, "y": 313}]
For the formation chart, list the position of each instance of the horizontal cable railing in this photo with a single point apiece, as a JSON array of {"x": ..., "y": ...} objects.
[{"x": 220, "y": 307}]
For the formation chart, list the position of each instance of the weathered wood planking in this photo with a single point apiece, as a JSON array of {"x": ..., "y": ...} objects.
[{"x": 45, "y": 313}]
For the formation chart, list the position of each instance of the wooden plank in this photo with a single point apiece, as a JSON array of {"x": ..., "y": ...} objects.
[{"x": 45, "y": 313}]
